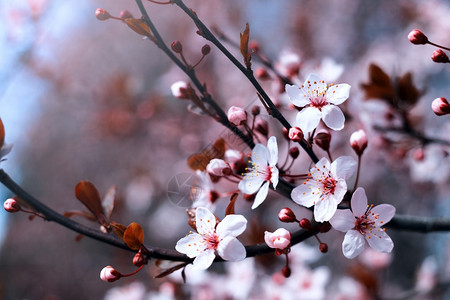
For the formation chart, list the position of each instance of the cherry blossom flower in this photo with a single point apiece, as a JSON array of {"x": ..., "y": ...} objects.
[
  {"x": 326, "y": 186},
  {"x": 203, "y": 194},
  {"x": 363, "y": 222},
  {"x": 203, "y": 244},
  {"x": 279, "y": 239},
  {"x": 262, "y": 172},
  {"x": 320, "y": 102}
]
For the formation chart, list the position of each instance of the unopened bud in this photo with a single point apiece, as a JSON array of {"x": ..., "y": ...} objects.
[
  {"x": 261, "y": 73},
  {"x": 286, "y": 271},
  {"x": 322, "y": 139},
  {"x": 439, "y": 56},
  {"x": 324, "y": 227},
  {"x": 218, "y": 167},
  {"x": 110, "y": 274},
  {"x": 295, "y": 134},
  {"x": 440, "y": 106},
  {"x": 323, "y": 248},
  {"x": 237, "y": 116},
  {"x": 417, "y": 37},
  {"x": 213, "y": 196},
  {"x": 101, "y": 14},
  {"x": 125, "y": 14},
  {"x": 287, "y": 215},
  {"x": 253, "y": 45},
  {"x": 262, "y": 127},
  {"x": 419, "y": 154},
  {"x": 139, "y": 259},
  {"x": 358, "y": 141},
  {"x": 11, "y": 205},
  {"x": 305, "y": 223},
  {"x": 255, "y": 110},
  {"x": 176, "y": 47},
  {"x": 294, "y": 152},
  {"x": 279, "y": 239},
  {"x": 206, "y": 49},
  {"x": 179, "y": 90}
]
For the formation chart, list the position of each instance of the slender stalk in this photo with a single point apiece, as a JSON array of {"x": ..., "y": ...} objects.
[{"x": 439, "y": 46}]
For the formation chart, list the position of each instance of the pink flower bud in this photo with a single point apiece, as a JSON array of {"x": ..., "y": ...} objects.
[
  {"x": 305, "y": 223},
  {"x": 439, "y": 56},
  {"x": 440, "y": 106},
  {"x": 125, "y": 14},
  {"x": 101, "y": 14},
  {"x": 11, "y": 205},
  {"x": 237, "y": 116},
  {"x": 253, "y": 45},
  {"x": 323, "y": 248},
  {"x": 295, "y": 134},
  {"x": 287, "y": 215},
  {"x": 279, "y": 239},
  {"x": 358, "y": 141},
  {"x": 417, "y": 37},
  {"x": 110, "y": 274},
  {"x": 177, "y": 47},
  {"x": 261, "y": 73},
  {"x": 323, "y": 139},
  {"x": 139, "y": 259},
  {"x": 206, "y": 49},
  {"x": 179, "y": 90},
  {"x": 218, "y": 167},
  {"x": 286, "y": 271},
  {"x": 294, "y": 152},
  {"x": 255, "y": 110}
]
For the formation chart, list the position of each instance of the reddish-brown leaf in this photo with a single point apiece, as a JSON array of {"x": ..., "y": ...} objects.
[
  {"x": 139, "y": 26},
  {"x": 2, "y": 133},
  {"x": 118, "y": 229},
  {"x": 86, "y": 192},
  {"x": 134, "y": 236},
  {"x": 407, "y": 92},
  {"x": 379, "y": 86},
  {"x": 230, "y": 208},
  {"x": 244, "y": 46},
  {"x": 171, "y": 270},
  {"x": 200, "y": 160}
]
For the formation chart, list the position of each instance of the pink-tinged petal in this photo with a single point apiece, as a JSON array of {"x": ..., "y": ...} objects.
[
  {"x": 343, "y": 220},
  {"x": 325, "y": 209},
  {"x": 279, "y": 239},
  {"x": 323, "y": 165},
  {"x": 204, "y": 260},
  {"x": 231, "y": 225},
  {"x": 250, "y": 184},
  {"x": 275, "y": 177},
  {"x": 384, "y": 213},
  {"x": 231, "y": 249},
  {"x": 353, "y": 244},
  {"x": 359, "y": 202},
  {"x": 308, "y": 119},
  {"x": 306, "y": 194},
  {"x": 260, "y": 156},
  {"x": 191, "y": 245},
  {"x": 297, "y": 95},
  {"x": 315, "y": 82},
  {"x": 333, "y": 117},
  {"x": 379, "y": 240},
  {"x": 261, "y": 195},
  {"x": 339, "y": 191},
  {"x": 338, "y": 93},
  {"x": 273, "y": 151},
  {"x": 343, "y": 167},
  {"x": 205, "y": 221}
]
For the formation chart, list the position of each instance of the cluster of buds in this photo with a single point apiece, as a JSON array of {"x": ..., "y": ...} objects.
[{"x": 417, "y": 37}]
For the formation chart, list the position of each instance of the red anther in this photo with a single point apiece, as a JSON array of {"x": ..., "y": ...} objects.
[
  {"x": 176, "y": 47},
  {"x": 417, "y": 37},
  {"x": 287, "y": 215}
]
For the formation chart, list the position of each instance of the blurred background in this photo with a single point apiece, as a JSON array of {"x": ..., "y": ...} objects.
[{"x": 83, "y": 99}]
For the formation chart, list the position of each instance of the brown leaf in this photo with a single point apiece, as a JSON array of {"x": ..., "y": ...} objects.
[
  {"x": 379, "y": 85},
  {"x": 230, "y": 208},
  {"x": 108, "y": 201},
  {"x": 86, "y": 192},
  {"x": 171, "y": 270},
  {"x": 200, "y": 160},
  {"x": 139, "y": 26},
  {"x": 2, "y": 133},
  {"x": 408, "y": 94},
  {"x": 244, "y": 46},
  {"x": 118, "y": 229},
  {"x": 134, "y": 236}
]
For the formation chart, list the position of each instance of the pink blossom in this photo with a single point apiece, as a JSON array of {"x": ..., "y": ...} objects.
[
  {"x": 417, "y": 37},
  {"x": 11, "y": 205},
  {"x": 218, "y": 167},
  {"x": 179, "y": 90},
  {"x": 358, "y": 141},
  {"x": 279, "y": 239},
  {"x": 110, "y": 274},
  {"x": 237, "y": 116},
  {"x": 440, "y": 106}
]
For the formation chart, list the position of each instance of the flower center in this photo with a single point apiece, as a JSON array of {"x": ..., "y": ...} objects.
[
  {"x": 364, "y": 224},
  {"x": 212, "y": 241},
  {"x": 328, "y": 185},
  {"x": 318, "y": 101},
  {"x": 259, "y": 171}
]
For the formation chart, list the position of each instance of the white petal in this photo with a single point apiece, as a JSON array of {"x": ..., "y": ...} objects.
[
  {"x": 231, "y": 249},
  {"x": 343, "y": 167},
  {"x": 231, "y": 225},
  {"x": 316, "y": 82},
  {"x": 274, "y": 178},
  {"x": 384, "y": 212},
  {"x": 343, "y": 220},
  {"x": 205, "y": 221},
  {"x": 323, "y": 165},
  {"x": 191, "y": 245},
  {"x": 306, "y": 194},
  {"x": 380, "y": 242},
  {"x": 297, "y": 95},
  {"x": 273, "y": 151},
  {"x": 6, "y": 148},
  {"x": 261, "y": 195},
  {"x": 204, "y": 260},
  {"x": 338, "y": 93},
  {"x": 339, "y": 191},
  {"x": 260, "y": 156},
  {"x": 308, "y": 119},
  {"x": 324, "y": 209},
  {"x": 333, "y": 117},
  {"x": 359, "y": 202},
  {"x": 353, "y": 244},
  {"x": 250, "y": 184}
]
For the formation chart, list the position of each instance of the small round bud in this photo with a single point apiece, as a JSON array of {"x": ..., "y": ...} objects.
[
  {"x": 323, "y": 139},
  {"x": 218, "y": 167},
  {"x": 294, "y": 152},
  {"x": 139, "y": 259},
  {"x": 358, "y": 141},
  {"x": 125, "y": 14},
  {"x": 286, "y": 215},
  {"x": 305, "y": 223},
  {"x": 206, "y": 49},
  {"x": 11, "y": 205},
  {"x": 176, "y": 47},
  {"x": 237, "y": 116},
  {"x": 439, "y": 56},
  {"x": 110, "y": 274},
  {"x": 261, "y": 73},
  {"x": 324, "y": 227},
  {"x": 323, "y": 248},
  {"x": 417, "y": 37},
  {"x": 101, "y": 14},
  {"x": 295, "y": 134},
  {"x": 262, "y": 127},
  {"x": 440, "y": 106},
  {"x": 279, "y": 239},
  {"x": 419, "y": 154},
  {"x": 256, "y": 110},
  {"x": 213, "y": 196},
  {"x": 253, "y": 45},
  {"x": 179, "y": 90},
  {"x": 286, "y": 271}
]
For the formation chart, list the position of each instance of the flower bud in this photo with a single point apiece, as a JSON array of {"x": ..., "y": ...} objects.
[
  {"x": 233, "y": 156},
  {"x": 237, "y": 116},
  {"x": 206, "y": 49},
  {"x": 139, "y": 259},
  {"x": 305, "y": 223},
  {"x": 176, "y": 47},
  {"x": 255, "y": 110},
  {"x": 323, "y": 248},
  {"x": 322, "y": 139},
  {"x": 286, "y": 271},
  {"x": 101, "y": 14},
  {"x": 417, "y": 37},
  {"x": 287, "y": 215},
  {"x": 11, "y": 205},
  {"x": 262, "y": 127},
  {"x": 294, "y": 152},
  {"x": 358, "y": 141},
  {"x": 110, "y": 274},
  {"x": 253, "y": 45},
  {"x": 179, "y": 90},
  {"x": 440, "y": 106},
  {"x": 295, "y": 134},
  {"x": 439, "y": 56},
  {"x": 279, "y": 239},
  {"x": 261, "y": 73},
  {"x": 324, "y": 227},
  {"x": 218, "y": 167},
  {"x": 125, "y": 14},
  {"x": 419, "y": 154}
]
